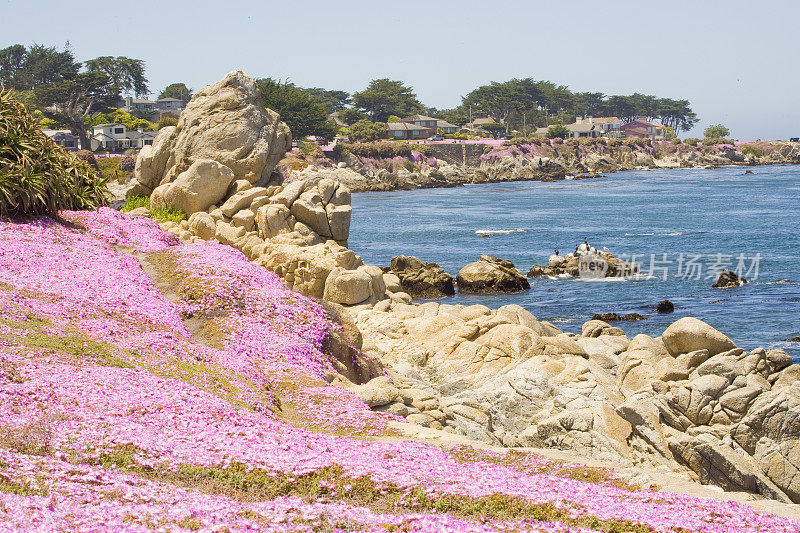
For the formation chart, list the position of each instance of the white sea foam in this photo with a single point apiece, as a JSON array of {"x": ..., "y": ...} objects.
[
  {"x": 499, "y": 231},
  {"x": 671, "y": 234}
]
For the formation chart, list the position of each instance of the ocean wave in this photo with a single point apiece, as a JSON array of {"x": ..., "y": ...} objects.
[
  {"x": 499, "y": 231},
  {"x": 669, "y": 234}
]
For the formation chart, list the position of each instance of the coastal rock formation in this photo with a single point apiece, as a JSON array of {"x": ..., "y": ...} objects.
[
  {"x": 490, "y": 275},
  {"x": 665, "y": 307},
  {"x": 420, "y": 279},
  {"x": 728, "y": 279},
  {"x": 223, "y": 122},
  {"x": 586, "y": 262},
  {"x": 689, "y": 402},
  {"x": 201, "y": 185}
]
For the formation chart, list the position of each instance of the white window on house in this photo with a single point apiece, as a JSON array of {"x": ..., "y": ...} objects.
[
  {"x": 398, "y": 134},
  {"x": 119, "y": 130},
  {"x": 148, "y": 141}
]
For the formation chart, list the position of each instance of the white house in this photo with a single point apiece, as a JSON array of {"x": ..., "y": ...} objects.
[{"x": 116, "y": 137}]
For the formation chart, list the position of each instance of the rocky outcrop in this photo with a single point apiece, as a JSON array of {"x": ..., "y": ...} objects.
[
  {"x": 689, "y": 402},
  {"x": 223, "y": 122},
  {"x": 728, "y": 279},
  {"x": 200, "y": 186},
  {"x": 585, "y": 262},
  {"x": 690, "y": 334},
  {"x": 420, "y": 279},
  {"x": 490, "y": 275}
]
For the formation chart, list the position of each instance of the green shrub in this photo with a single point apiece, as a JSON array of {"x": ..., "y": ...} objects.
[
  {"x": 36, "y": 175},
  {"x": 557, "y": 131},
  {"x": 135, "y": 202},
  {"x": 636, "y": 141},
  {"x": 752, "y": 150},
  {"x": 382, "y": 150},
  {"x": 692, "y": 141},
  {"x": 159, "y": 214},
  {"x": 310, "y": 150},
  {"x": 166, "y": 120},
  {"x": 711, "y": 141},
  {"x": 164, "y": 214},
  {"x": 109, "y": 167}
]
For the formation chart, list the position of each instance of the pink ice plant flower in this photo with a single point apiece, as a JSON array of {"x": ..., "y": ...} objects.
[{"x": 95, "y": 359}]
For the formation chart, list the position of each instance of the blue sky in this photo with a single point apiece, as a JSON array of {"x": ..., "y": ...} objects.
[{"x": 735, "y": 61}]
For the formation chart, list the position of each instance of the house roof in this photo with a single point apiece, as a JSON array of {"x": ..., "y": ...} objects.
[
  {"x": 418, "y": 118},
  {"x": 102, "y": 137},
  {"x": 404, "y": 126},
  {"x": 141, "y": 101},
  {"x": 486, "y": 120},
  {"x": 581, "y": 128},
  {"x": 170, "y": 100},
  {"x": 598, "y": 120},
  {"x": 53, "y": 133},
  {"x": 444, "y": 124},
  {"x": 109, "y": 125}
]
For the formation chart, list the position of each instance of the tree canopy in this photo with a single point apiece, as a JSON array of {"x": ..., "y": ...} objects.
[
  {"x": 331, "y": 99},
  {"x": 24, "y": 69},
  {"x": 716, "y": 131},
  {"x": 384, "y": 97},
  {"x": 176, "y": 90},
  {"x": 125, "y": 74},
  {"x": 300, "y": 110}
]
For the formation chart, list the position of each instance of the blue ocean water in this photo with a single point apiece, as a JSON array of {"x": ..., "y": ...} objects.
[{"x": 724, "y": 216}]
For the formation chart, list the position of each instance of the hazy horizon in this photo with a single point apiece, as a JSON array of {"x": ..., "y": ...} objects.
[{"x": 732, "y": 62}]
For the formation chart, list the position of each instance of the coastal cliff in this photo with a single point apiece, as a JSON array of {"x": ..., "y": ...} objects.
[{"x": 366, "y": 168}]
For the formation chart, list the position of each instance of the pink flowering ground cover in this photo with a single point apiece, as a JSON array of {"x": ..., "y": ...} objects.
[{"x": 148, "y": 385}]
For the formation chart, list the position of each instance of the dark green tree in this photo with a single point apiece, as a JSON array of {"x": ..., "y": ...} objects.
[
  {"x": 176, "y": 90},
  {"x": 25, "y": 69},
  {"x": 124, "y": 74},
  {"x": 303, "y": 113},
  {"x": 351, "y": 115},
  {"x": 332, "y": 100},
  {"x": 72, "y": 101},
  {"x": 557, "y": 131},
  {"x": 716, "y": 131},
  {"x": 366, "y": 131},
  {"x": 504, "y": 102},
  {"x": 384, "y": 97}
]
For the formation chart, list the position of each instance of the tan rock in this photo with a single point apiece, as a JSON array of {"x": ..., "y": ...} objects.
[
  {"x": 348, "y": 287},
  {"x": 689, "y": 334},
  {"x": 203, "y": 184}
]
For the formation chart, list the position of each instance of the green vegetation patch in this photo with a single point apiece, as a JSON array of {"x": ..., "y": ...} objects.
[
  {"x": 159, "y": 214},
  {"x": 23, "y": 488},
  {"x": 36, "y": 175},
  {"x": 252, "y": 485},
  {"x": 35, "y": 333}
]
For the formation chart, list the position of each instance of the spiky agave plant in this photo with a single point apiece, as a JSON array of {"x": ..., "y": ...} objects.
[{"x": 36, "y": 175}]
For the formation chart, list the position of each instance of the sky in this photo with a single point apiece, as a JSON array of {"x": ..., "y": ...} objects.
[{"x": 735, "y": 61}]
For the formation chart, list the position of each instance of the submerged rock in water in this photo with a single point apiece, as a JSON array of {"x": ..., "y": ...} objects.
[
  {"x": 665, "y": 306},
  {"x": 728, "y": 279},
  {"x": 490, "y": 275},
  {"x": 614, "y": 317}
]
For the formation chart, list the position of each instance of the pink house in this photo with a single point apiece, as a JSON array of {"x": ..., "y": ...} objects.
[{"x": 643, "y": 130}]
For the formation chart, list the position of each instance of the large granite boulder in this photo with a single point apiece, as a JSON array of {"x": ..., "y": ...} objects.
[
  {"x": 201, "y": 185},
  {"x": 420, "y": 279},
  {"x": 689, "y": 334},
  {"x": 771, "y": 434},
  {"x": 490, "y": 275},
  {"x": 223, "y": 122}
]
